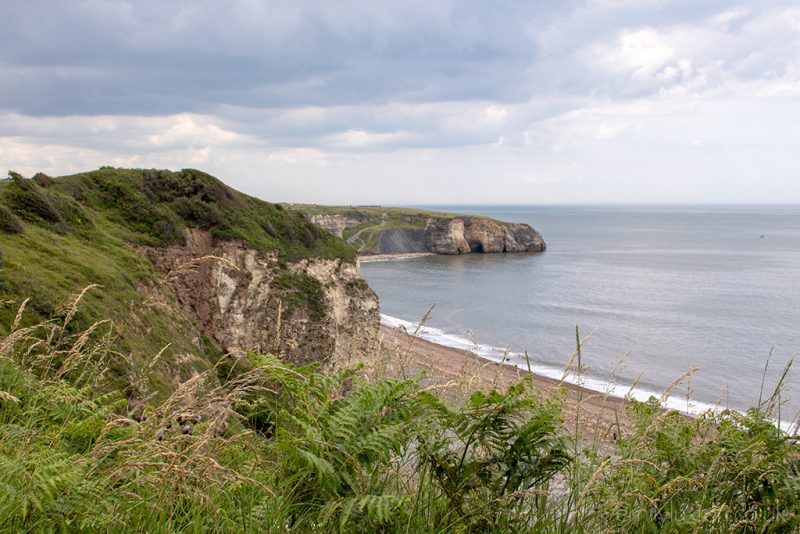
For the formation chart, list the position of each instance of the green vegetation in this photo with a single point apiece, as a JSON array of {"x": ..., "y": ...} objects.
[
  {"x": 156, "y": 205},
  {"x": 366, "y": 223},
  {"x": 31, "y": 203},
  {"x": 116, "y": 414},
  {"x": 65, "y": 247},
  {"x": 732, "y": 472},
  {"x": 373, "y": 211},
  {"x": 9, "y": 223},
  {"x": 337, "y": 453},
  {"x": 302, "y": 291},
  {"x": 60, "y": 235}
]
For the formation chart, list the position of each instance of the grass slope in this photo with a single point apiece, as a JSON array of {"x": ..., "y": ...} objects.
[
  {"x": 58, "y": 236},
  {"x": 277, "y": 448}
]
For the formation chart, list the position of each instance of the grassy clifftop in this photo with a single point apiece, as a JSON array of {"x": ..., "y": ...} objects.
[
  {"x": 59, "y": 235},
  {"x": 373, "y": 211},
  {"x": 153, "y": 206},
  {"x": 361, "y": 226}
]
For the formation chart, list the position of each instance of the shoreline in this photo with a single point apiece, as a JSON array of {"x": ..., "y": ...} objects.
[
  {"x": 460, "y": 372},
  {"x": 367, "y": 258},
  {"x": 607, "y": 406}
]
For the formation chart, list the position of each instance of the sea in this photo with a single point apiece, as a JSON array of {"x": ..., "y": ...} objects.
[{"x": 702, "y": 300}]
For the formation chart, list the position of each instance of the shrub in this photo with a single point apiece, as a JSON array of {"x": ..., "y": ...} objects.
[
  {"x": 9, "y": 223},
  {"x": 486, "y": 456},
  {"x": 197, "y": 213},
  {"x": 131, "y": 208},
  {"x": 727, "y": 472},
  {"x": 338, "y": 453},
  {"x": 74, "y": 216},
  {"x": 30, "y": 202},
  {"x": 156, "y": 205},
  {"x": 337, "y": 437},
  {"x": 304, "y": 291},
  {"x": 42, "y": 180}
]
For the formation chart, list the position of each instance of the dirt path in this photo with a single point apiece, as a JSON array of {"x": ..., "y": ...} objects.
[{"x": 356, "y": 236}]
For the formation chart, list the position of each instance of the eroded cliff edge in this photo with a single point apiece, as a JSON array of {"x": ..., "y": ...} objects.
[{"x": 312, "y": 310}]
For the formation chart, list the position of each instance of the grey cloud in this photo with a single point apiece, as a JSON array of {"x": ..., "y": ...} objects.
[
  {"x": 540, "y": 92},
  {"x": 161, "y": 57},
  {"x": 154, "y": 58}
]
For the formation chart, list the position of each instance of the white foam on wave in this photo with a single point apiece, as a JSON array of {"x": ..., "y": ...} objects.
[{"x": 687, "y": 406}]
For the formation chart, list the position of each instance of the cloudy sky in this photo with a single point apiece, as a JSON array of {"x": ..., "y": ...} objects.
[{"x": 414, "y": 101}]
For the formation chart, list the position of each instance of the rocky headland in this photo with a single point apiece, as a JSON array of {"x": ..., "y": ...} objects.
[{"x": 377, "y": 230}]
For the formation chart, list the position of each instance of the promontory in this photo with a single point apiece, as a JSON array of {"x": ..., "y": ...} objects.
[{"x": 382, "y": 230}]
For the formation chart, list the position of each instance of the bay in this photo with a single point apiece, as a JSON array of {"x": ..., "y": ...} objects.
[{"x": 658, "y": 290}]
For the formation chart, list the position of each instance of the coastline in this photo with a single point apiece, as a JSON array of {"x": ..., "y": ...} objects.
[
  {"x": 458, "y": 372},
  {"x": 367, "y": 258}
]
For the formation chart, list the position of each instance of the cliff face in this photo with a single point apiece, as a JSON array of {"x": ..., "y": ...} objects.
[
  {"x": 310, "y": 310},
  {"x": 465, "y": 235},
  {"x": 461, "y": 235}
]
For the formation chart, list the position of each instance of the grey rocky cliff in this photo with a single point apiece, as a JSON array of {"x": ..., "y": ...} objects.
[
  {"x": 404, "y": 240},
  {"x": 465, "y": 235},
  {"x": 459, "y": 235},
  {"x": 231, "y": 291}
]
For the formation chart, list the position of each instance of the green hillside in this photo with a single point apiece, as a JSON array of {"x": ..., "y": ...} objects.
[{"x": 59, "y": 235}]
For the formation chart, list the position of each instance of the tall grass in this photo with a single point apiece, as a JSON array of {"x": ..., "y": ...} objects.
[{"x": 266, "y": 446}]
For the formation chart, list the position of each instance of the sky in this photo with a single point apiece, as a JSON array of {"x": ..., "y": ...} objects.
[{"x": 414, "y": 101}]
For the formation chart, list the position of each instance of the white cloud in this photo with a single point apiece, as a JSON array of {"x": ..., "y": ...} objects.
[
  {"x": 185, "y": 130},
  {"x": 356, "y": 139},
  {"x": 298, "y": 156}
]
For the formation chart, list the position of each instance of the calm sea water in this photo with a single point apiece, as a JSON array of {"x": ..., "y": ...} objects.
[{"x": 659, "y": 290}]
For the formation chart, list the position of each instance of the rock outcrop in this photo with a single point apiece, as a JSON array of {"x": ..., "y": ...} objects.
[
  {"x": 404, "y": 240},
  {"x": 457, "y": 235},
  {"x": 336, "y": 224},
  {"x": 311, "y": 310},
  {"x": 465, "y": 235}
]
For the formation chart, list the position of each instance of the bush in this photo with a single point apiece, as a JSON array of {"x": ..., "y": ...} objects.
[
  {"x": 134, "y": 210},
  {"x": 728, "y": 472},
  {"x": 156, "y": 205},
  {"x": 74, "y": 216},
  {"x": 303, "y": 291},
  {"x": 486, "y": 456},
  {"x": 42, "y": 180},
  {"x": 9, "y": 223},
  {"x": 30, "y": 202},
  {"x": 198, "y": 213}
]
